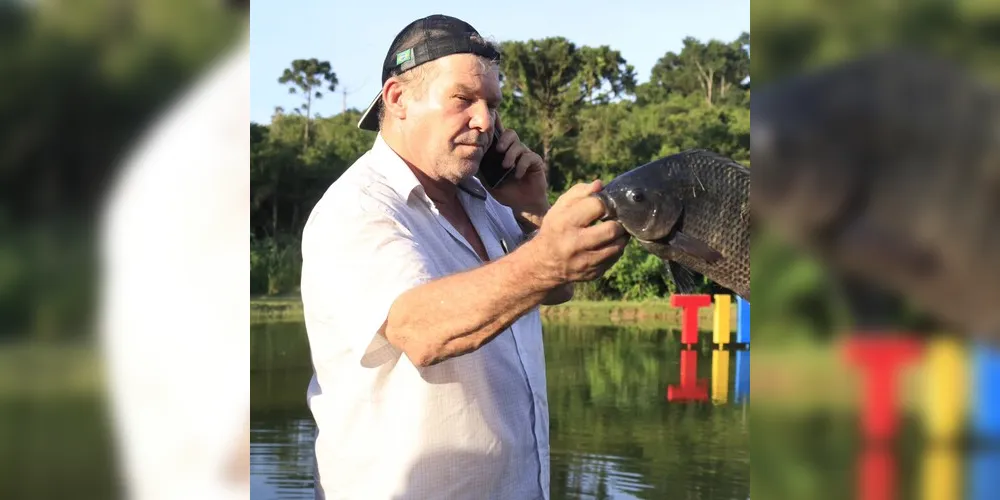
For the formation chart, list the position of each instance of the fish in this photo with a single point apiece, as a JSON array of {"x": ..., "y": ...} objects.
[
  {"x": 692, "y": 210},
  {"x": 887, "y": 169}
]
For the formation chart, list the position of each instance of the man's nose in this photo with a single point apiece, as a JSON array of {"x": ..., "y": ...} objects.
[{"x": 482, "y": 117}]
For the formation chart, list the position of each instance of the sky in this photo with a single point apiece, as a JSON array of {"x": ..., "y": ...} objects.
[{"x": 355, "y": 36}]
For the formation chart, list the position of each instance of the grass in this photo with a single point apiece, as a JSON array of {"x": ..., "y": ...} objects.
[
  {"x": 652, "y": 312},
  {"x": 646, "y": 313},
  {"x": 276, "y": 308}
]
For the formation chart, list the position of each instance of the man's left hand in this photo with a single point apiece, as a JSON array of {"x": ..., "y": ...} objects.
[{"x": 525, "y": 190}]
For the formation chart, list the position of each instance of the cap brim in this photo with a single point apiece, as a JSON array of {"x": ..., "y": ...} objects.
[{"x": 369, "y": 119}]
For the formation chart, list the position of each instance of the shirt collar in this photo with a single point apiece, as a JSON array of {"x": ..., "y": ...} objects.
[
  {"x": 401, "y": 179},
  {"x": 397, "y": 174}
]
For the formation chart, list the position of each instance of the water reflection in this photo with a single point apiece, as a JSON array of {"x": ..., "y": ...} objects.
[
  {"x": 742, "y": 383},
  {"x": 720, "y": 376},
  {"x": 281, "y": 457},
  {"x": 600, "y": 476},
  {"x": 613, "y": 433},
  {"x": 282, "y": 434},
  {"x": 691, "y": 387}
]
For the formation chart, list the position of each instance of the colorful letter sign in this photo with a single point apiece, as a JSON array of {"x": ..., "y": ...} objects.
[
  {"x": 689, "y": 305},
  {"x": 693, "y": 389}
]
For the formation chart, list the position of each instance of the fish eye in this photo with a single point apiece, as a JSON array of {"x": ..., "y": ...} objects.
[{"x": 635, "y": 196}]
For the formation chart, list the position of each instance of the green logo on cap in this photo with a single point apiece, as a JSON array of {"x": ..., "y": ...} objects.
[{"x": 404, "y": 56}]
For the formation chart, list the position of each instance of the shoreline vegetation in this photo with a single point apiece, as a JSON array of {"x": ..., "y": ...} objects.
[{"x": 651, "y": 312}]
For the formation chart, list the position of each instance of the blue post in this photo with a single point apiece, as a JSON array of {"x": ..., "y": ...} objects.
[
  {"x": 984, "y": 482},
  {"x": 743, "y": 321},
  {"x": 742, "y": 383},
  {"x": 986, "y": 404}
]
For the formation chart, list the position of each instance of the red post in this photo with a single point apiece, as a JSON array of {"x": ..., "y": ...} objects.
[
  {"x": 691, "y": 389},
  {"x": 689, "y": 319},
  {"x": 880, "y": 360}
]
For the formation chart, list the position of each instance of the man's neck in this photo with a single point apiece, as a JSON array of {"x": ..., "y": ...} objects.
[{"x": 440, "y": 190}]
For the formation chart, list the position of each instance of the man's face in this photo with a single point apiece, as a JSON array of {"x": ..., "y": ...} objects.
[{"x": 450, "y": 124}]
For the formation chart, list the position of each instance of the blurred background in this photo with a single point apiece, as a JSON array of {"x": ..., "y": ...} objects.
[
  {"x": 83, "y": 81},
  {"x": 812, "y": 405}
]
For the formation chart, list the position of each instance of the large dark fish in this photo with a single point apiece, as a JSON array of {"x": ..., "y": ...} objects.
[
  {"x": 692, "y": 210},
  {"x": 888, "y": 169}
]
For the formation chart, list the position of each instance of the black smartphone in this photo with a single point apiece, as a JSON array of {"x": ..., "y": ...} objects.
[{"x": 491, "y": 169}]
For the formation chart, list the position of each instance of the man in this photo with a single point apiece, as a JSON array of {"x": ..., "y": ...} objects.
[{"x": 421, "y": 287}]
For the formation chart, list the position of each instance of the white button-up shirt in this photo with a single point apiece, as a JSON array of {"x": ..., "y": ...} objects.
[{"x": 475, "y": 426}]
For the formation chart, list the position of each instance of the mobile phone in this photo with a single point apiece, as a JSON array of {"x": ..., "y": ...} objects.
[{"x": 491, "y": 169}]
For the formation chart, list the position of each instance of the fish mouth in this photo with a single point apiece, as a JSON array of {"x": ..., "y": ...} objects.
[{"x": 610, "y": 209}]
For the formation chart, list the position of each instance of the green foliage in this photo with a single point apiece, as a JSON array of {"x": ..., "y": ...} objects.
[
  {"x": 638, "y": 275},
  {"x": 551, "y": 80},
  {"x": 275, "y": 266},
  {"x": 307, "y": 76},
  {"x": 286, "y": 179},
  {"x": 714, "y": 71}
]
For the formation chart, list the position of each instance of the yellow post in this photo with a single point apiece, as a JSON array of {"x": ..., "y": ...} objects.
[
  {"x": 720, "y": 376},
  {"x": 941, "y": 477},
  {"x": 721, "y": 321},
  {"x": 945, "y": 384}
]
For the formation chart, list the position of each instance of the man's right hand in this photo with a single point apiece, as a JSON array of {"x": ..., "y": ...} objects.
[{"x": 568, "y": 247}]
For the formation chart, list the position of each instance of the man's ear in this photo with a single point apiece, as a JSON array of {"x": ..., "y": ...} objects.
[{"x": 393, "y": 99}]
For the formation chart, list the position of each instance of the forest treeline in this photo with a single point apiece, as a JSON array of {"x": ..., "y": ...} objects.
[{"x": 578, "y": 106}]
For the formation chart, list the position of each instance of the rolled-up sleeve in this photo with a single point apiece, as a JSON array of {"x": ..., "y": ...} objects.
[{"x": 356, "y": 260}]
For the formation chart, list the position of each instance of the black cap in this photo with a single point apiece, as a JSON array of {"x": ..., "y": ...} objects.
[{"x": 422, "y": 41}]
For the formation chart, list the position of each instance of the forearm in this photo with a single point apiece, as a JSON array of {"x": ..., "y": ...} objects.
[{"x": 460, "y": 313}]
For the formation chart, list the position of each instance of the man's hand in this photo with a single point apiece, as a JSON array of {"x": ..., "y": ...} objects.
[
  {"x": 568, "y": 247},
  {"x": 525, "y": 192}
]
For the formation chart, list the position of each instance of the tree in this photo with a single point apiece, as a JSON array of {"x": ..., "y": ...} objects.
[
  {"x": 552, "y": 79},
  {"x": 737, "y": 67},
  {"x": 308, "y": 75},
  {"x": 711, "y": 69}
]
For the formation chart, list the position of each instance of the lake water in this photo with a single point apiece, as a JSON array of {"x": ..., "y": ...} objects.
[{"x": 613, "y": 432}]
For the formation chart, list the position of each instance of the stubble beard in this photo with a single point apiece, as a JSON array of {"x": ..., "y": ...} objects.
[{"x": 457, "y": 168}]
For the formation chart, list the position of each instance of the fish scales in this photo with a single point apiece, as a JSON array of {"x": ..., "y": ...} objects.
[{"x": 717, "y": 213}]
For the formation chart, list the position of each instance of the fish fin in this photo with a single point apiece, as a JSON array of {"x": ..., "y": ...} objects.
[
  {"x": 694, "y": 247},
  {"x": 684, "y": 279}
]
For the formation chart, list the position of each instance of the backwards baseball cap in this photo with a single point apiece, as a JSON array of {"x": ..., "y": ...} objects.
[{"x": 422, "y": 41}]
